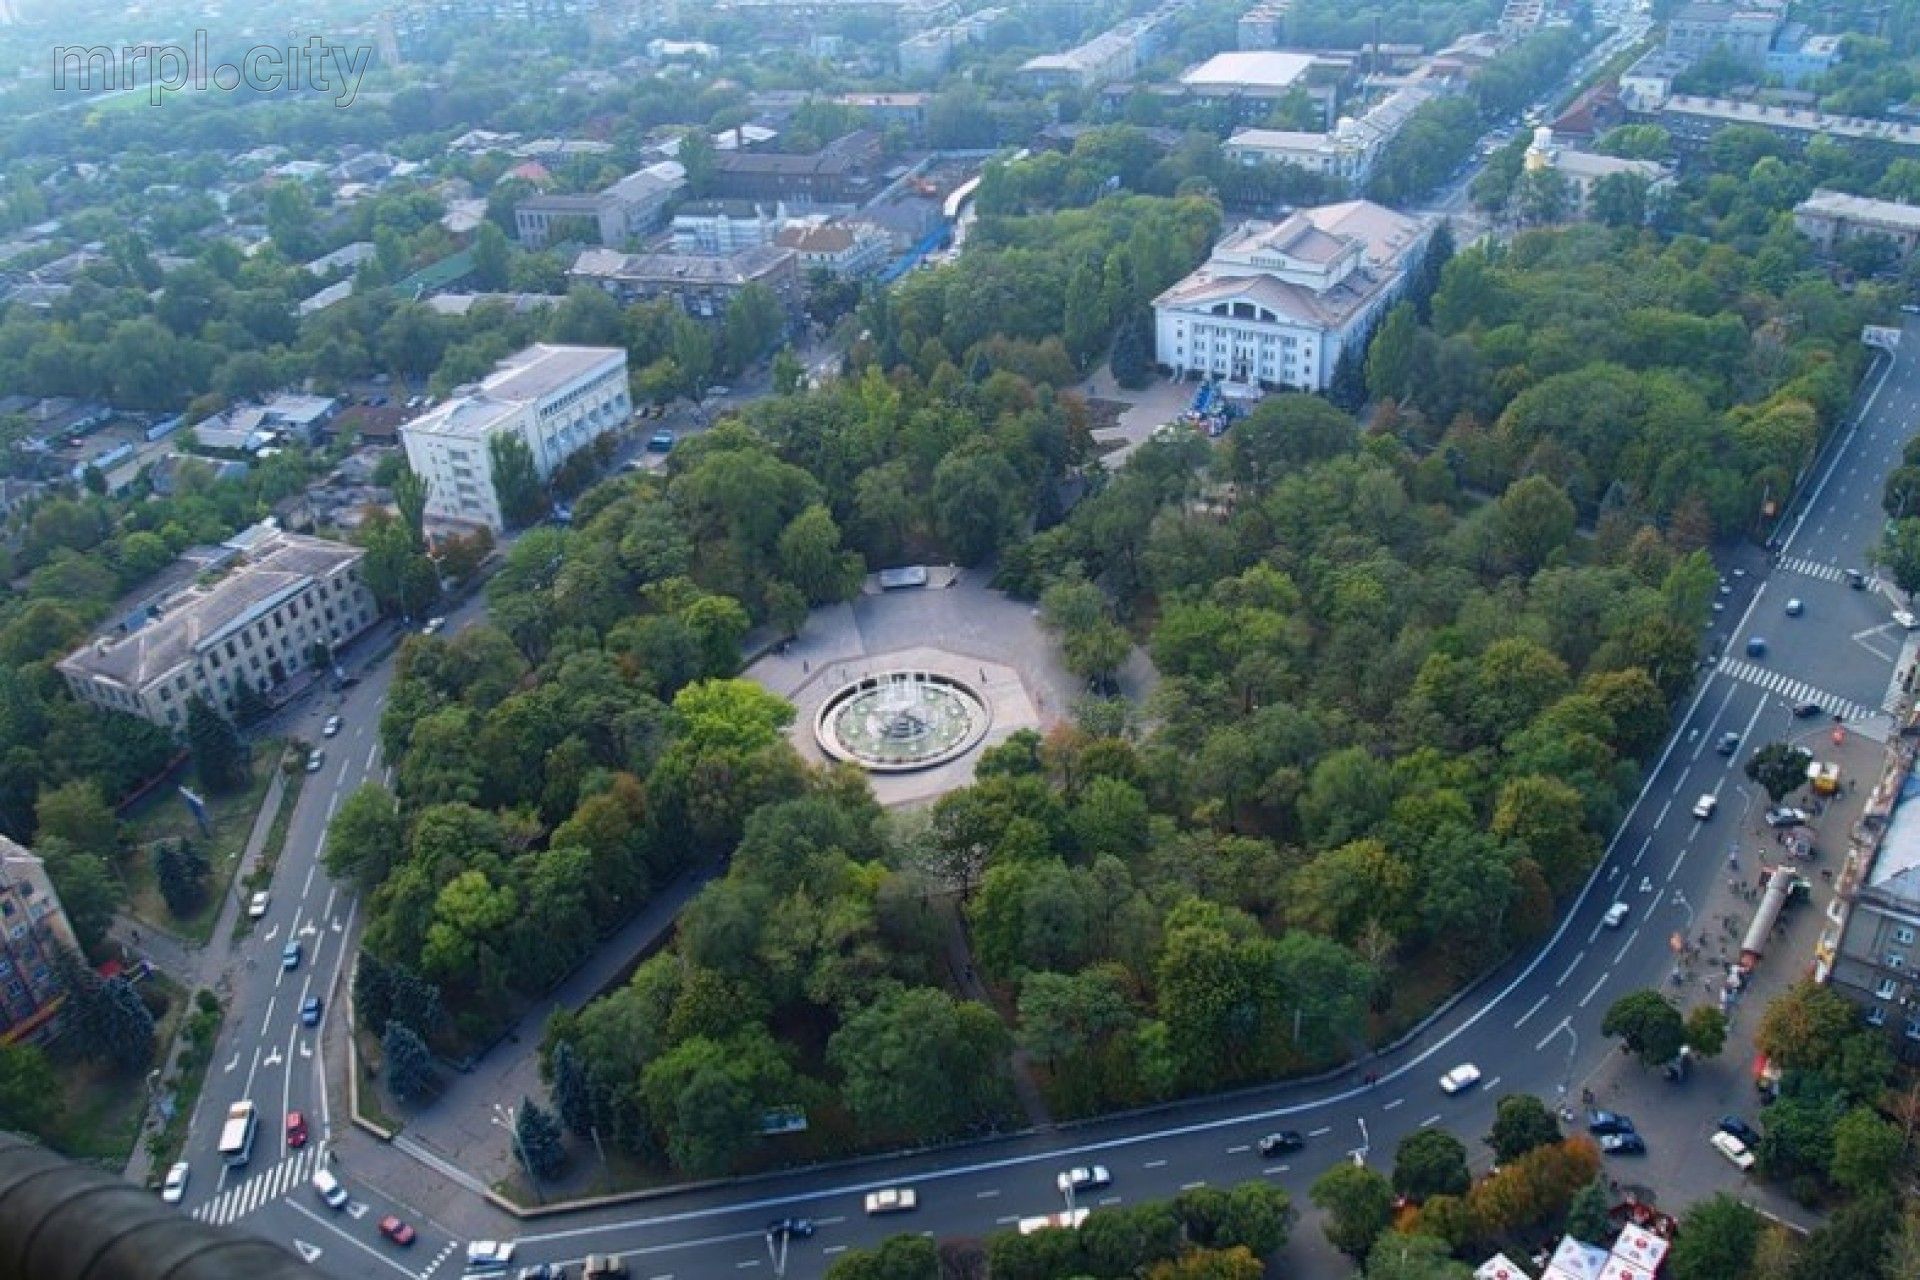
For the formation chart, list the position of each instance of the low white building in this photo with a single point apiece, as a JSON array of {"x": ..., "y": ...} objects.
[
  {"x": 1582, "y": 171},
  {"x": 557, "y": 399},
  {"x": 1831, "y": 218},
  {"x": 1277, "y": 304},
  {"x": 1347, "y": 152}
]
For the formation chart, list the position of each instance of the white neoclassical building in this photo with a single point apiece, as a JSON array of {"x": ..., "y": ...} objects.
[{"x": 1276, "y": 304}]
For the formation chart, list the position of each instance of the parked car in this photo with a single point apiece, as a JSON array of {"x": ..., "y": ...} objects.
[
  {"x": 1600, "y": 1123},
  {"x": 1733, "y": 1149},
  {"x": 176, "y": 1184},
  {"x": 1786, "y": 816},
  {"x": 296, "y": 1129},
  {"x": 538, "y": 1271},
  {"x": 1280, "y": 1143},
  {"x": 396, "y": 1230},
  {"x": 290, "y": 955},
  {"x": 1703, "y": 807},
  {"x": 893, "y": 1200},
  {"x": 1616, "y": 915},
  {"x": 1906, "y": 620},
  {"x": 603, "y": 1266},
  {"x": 489, "y": 1257},
  {"x": 1460, "y": 1079},
  {"x": 1740, "y": 1129},
  {"x": 1623, "y": 1144},
  {"x": 660, "y": 441},
  {"x": 331, "y": 727},
  {"x": 257, "y": 905},
  {"x": 1086, "y": 1178},
  {"x": 310, "y": 1011},
  {"x": 432, "y": 626}
]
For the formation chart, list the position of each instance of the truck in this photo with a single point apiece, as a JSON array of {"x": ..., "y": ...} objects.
[{"x": 236, "y": 1136}]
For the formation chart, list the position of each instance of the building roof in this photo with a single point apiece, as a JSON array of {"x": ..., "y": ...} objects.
[
  {"x": 1895, "y": 872},
  {"x": 1849, "y": 208},
  {"x": 277, "y": 565},
  {"x": 680, "y": 268},
  {"x": 1248, "y": 69},
  {"x": 1855, "y": 128},
  {"x": 815, "y": 239},
  {"x": 521, "y": 379}
]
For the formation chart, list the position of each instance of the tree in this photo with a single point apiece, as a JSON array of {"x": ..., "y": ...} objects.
[
  {"x": 1521, "y": 1122},
  {"x": 182, "y": 871},
  {"x": 89, "y": 889},
  {"x": 1648, "y": 1025},
  {"x": 366, "y": 839},
  {"x": 896, "y": 1258},
  {"x": 75, "y": 813},
  {"x": 106, "y": 1017},
  {"x": 1587, "y": 1216},
  {"x": 516, "y": 480},
  {"x": 1899, "y": 553},
  {"x": 812, "y": 560},
  {"x": 31, "y": 1098},
  {"x": 492, "y": 258},
  {"x": 572, "y": 1094},
  {"x": 1706, "y": 1031},
  {"x": 219, "y": 758},
  {"x": 410, "y": 1071},
  {"x": 1716, "y": 1240},
  {"x": 754, "y": 321},
  {"x": 1804, "y": 1027},
  {"x": 1359, "y": 1206},
  {"x": 977, "y": 498},
  {"x": 410, "y": 499},
  {"x": 1854, "y": 1243},
  {"x": 1132, "y": 359},
  {"x": 1867, "y": 1151},
  {"x": 1431, "y": 1162},
  {"x": 1780, "y": 768},
  {"x": 537, "y": 1135},
  {"x": 1536, "y": 520},
  {"x": 1414, "y": 1257},
  {"x": 919, "y": 1063}
]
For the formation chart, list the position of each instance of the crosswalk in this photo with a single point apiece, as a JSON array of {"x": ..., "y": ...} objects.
[
  {"x": 439, "y": 1258},
  {"x": 1813, "y": 568},
  {"x": 260, "y": 1188},
  {"x": 1794, "y": 691}
]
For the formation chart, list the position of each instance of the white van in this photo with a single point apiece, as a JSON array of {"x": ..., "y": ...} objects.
[{"x": 332, "y": 1194}]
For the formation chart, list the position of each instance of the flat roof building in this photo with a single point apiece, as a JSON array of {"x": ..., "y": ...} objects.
[
  {"x": 700, "y": 285},
  {"x": 1831, "y": 218},
  {"x": 629, "y": 208}
]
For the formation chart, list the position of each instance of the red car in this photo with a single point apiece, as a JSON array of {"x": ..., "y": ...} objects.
[
  {"x": 395, "y": 1230},
  {"x": 296, "y": 1129}
]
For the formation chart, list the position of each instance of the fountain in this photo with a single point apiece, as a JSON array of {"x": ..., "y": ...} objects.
[{"x": 897, "y": 721}]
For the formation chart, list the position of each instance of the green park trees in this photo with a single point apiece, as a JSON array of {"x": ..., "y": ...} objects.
[{"x": 1648, "y": 1026}]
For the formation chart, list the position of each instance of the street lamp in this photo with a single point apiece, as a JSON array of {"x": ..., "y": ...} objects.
[
  {"x": 1680, "y": 900},
  {"x": 509, "y": 1119},
  {"x": 1566, "y": 1077}
]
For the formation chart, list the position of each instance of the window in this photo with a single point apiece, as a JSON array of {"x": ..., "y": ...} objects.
[
  {"x": 1895, "y": 960},
  {"x": 1913, "y": 1028},
  {"x": 1903, "y": 936},
  {"x": 1886, "y": 988}
]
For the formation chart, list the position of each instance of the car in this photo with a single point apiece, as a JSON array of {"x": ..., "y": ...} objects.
[
  {"x": 893, "y": 1200},
  {"x": 1906, "y": 620},
  {"x": 1084, "y": 1178},
  {"x": 176, "y": 1184},
  {"x": 1600, "y": 1123},
  {"x": 542, "y": 1271},
  {"x": 603, "y": 1266},
  {"x": 660, "y": 441},
  {"x": 1748, "y": 1135},
  {"x": 1786, "y": 817},
  {"x": 396, "y": 1230},
  {"x": 1756, "y": 646},
  {"x": 331, "y": 727},
  {"x": 290, "y": 955},
  {"x": 1728, "y": 744},
  {"x": 315, "y": 758},
  {"x": 1910, "y": 308},
  {"x": 1733, "y": 1149},
  {"x": 1623, "y": 1144},
  {"x": 296, "y": 1129},
  {"x": 1857, "y": 580},
  {"x": 1703, "y": 807},
  {"x": 310, "y": 1011},
  {"x": 1801, "y": 710},
  {"x": 257, "y": 905},
  {"x": 1280, "y": 1143},
  {"x": 328, "y": 1188},
  {"x": 1616, "y": 915},
  {"x": 716, "y": 393},
  {"x": 791, "y": 1228},
  {"x": 1460, "y": 1079},
  {"x": 1795, "y": 608},
  {"x": 432, "y": 625},
  {"x": 489, "y": 1257}
]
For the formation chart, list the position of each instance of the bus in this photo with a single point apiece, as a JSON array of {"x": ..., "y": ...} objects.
[{"x": 236, "y": 1136}]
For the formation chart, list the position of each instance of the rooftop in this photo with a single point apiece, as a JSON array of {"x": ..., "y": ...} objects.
[
  {"x": 1248, "y": 68},
  {"x": 1838, "y": 204},
  {"x": 679, "y": 268}
]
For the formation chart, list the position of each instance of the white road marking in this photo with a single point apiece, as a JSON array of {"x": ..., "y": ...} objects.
[
  {"x": 1192, "y": 1186},
  {"x": 1622, "y": 953},
  {"x": 1571, "y": 967},
  {"x": 1325, "y": 1128},
  {"x": 1156, "y": 1164},
  {"x": 1595, "y": 990},
  {"x": 986, "y": 1195},
  {"x": 1533, "y": 1009},
  {"x": 1391, "y": 1105},
  {"x": 1243, "y": 1147}
]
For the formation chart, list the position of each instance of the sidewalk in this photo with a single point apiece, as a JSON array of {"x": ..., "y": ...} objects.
[
  {"x": 194, "y": 967},
  {"x": 457, "y": 1127}
]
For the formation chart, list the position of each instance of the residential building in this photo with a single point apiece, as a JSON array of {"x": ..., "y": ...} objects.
[
  {"x": 844, "y": 171},
  {"x": 887, "y": 110},
  {"x": 347, "y": 257},
  {"x": 276, "y": 596},
  {"x": 1253, "y": 82},
  {"x": 1520, "y": 18},
  {"x": 1112, "y": 55},
  {"x": 1831, "y": 218},
  {"x": 631, "y": 207},
  {"x": 1797, "y": 57},
  {"x": 1693, "y": 121},
  {"x": 33, "y": 932},
  {"x": 460, "y": 304},
  {"x": 1583, "y": 170},
  {"x": 1265, "y": 25},
  {"x": 1875, "y": 961},
  {"x": 1277, "y": 304},
  {"x": 556, "y": 399},
  {"x": 929, "y": 53},
  {"x": 1348, "y": 152},
  {"x": 847, "y": 251},
  {"x": 721, "y": 227},
  {"x": 1742, "y": 31},
  {"x": 702, "y": 286}
]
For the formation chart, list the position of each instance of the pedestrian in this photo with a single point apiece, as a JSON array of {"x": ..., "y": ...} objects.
[{"x": 804, "y": 668}]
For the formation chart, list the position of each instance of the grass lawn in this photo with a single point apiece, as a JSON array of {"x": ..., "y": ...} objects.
[
  {"x": 163, "y": 815},
  {"x": 103, "y": 1108}
]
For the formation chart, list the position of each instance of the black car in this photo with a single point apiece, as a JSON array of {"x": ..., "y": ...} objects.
[
  {"x": 1280, "y": 1143},
  {"x": 792, "y": 1228},
  {"x": 1623, "y": 1144},
  {"x": 1728, "y": 744},
  {"x": 1802, "y": 710},
  {"x": 1601, "y": 1123},
  {"x": 1740, "y": 1129}
]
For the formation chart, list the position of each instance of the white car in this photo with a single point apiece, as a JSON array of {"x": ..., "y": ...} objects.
[
  {"x": 1084, "y": 1179},
  {"x": 315, "y": 759},
  {"x": 1703, "y": 807},
  {"x": 257, "y": 905},
  {"x": 484, "y": 1256},
  {"x": 893, "y": 1200},
  {"x": 1906, "y": 620},
  {"x": 176, "y": 1184},
  {"x": 433, "y": 626},
  {"x": 1733, "y": 1149},
  {"x": 1460, "y": 1079},
  {"x": 1616, "y": 915},
  {"x": 331, "y": 727}
]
